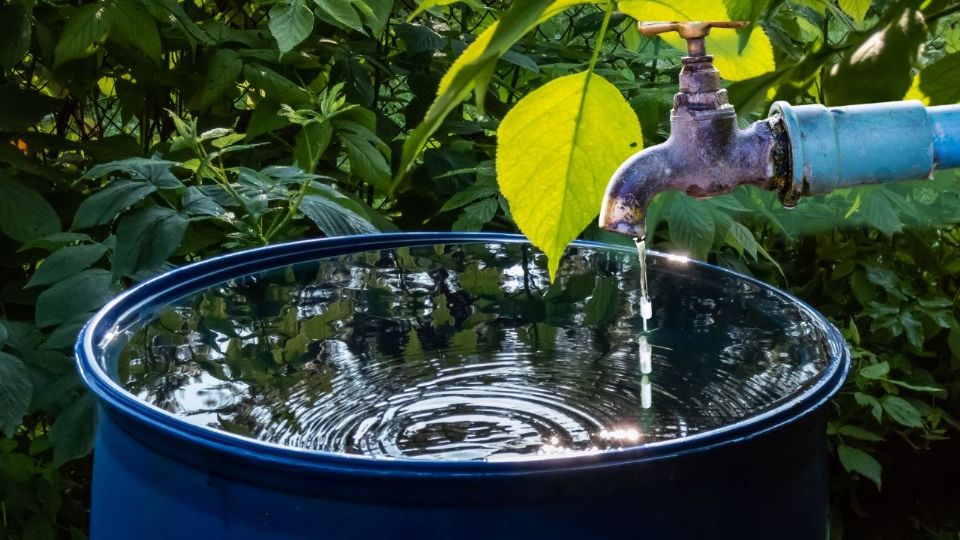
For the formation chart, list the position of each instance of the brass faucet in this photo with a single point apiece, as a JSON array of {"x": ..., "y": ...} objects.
[{"x": 707, "y": 153}]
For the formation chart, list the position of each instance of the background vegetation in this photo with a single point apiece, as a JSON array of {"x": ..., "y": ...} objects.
[{"x": 141, "y": 134}]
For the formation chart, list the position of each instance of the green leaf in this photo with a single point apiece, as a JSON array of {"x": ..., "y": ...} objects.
[
  {"x": 105, "y": 205},
  {"x": 72, "y": 433},
  {"x": 858, "y": 433},
  {"x": 568, "y": 125},
  {"x": 223, "y": 71},
  {"x": 856, "y": 8},
  {"x": 740, "y": 238},
  {"x": 146, "y": 238},
  {"x": 131, "y": 25},
  {"x": 755, "y": 59},
  {"x": 878, "y": 212},
  {"x": 86, "y": 30},
  {"x": 471, "y": 194},
  {"x": 476, "y": 215},
  {"x": 15, "y": 34},
  {"x": 66, "y": 262},
  {"x": 856, "y": 460},
  {"x": 902, "y": 411},
  {"x": 24, "y": 214},
  {"x": 15, "y": 393},
  {"x": 887, "y": 55},
  {"x": 692, "y": 225},
  {"x": 340, "y": 13},
  {"x": 938, "y": 80},
  {"x": 78, "y": 294},
  {"x": 867, "y": 400},
  {"x": 366, "y": 153},
  {"x": 291, "y": 22},
  {"x": 155, "y": 171},
  {"x": 311, "y": 142},
  {"x": 875, "y": 371},
  {"x": 330, "y": 211}
]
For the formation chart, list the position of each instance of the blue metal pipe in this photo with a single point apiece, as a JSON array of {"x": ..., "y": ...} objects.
[
  {"x": 875, "y": 143},
  {"x": 946, "y": 135}
]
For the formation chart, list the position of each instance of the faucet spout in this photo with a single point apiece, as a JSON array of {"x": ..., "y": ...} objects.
[{"x": 706, "y": 154}]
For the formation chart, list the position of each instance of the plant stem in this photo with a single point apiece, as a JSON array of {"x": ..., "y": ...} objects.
[{"x": 599, "y": 45}]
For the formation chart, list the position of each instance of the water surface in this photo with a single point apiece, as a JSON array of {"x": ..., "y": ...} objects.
[{"x": 467, "y": 352}]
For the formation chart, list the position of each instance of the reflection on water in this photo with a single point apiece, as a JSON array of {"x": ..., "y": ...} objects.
[{"x": 467, "y": 352}]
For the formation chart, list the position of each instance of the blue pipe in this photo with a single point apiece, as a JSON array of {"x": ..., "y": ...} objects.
[{"x": 875, "y": 143}]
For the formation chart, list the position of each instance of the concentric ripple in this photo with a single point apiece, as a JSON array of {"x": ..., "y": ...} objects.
[{"x": 467, "y": 352}]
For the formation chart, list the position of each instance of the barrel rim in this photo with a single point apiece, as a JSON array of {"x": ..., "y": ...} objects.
[{"x": 197, "y": 276}]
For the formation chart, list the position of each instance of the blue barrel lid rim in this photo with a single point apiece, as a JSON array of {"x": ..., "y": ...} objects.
[{"x": 197, "y": 276}]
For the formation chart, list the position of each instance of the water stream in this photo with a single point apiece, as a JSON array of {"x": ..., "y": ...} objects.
[{"x": 468, "y": 352}]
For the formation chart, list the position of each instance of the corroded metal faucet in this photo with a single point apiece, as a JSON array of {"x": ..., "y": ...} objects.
[{"x": 796, "y": 151}]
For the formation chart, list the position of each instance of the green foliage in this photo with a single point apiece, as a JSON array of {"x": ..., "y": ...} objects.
[{"x": 141, "y": 134}]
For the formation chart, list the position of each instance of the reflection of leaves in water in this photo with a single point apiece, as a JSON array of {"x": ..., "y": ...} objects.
[
  {"x": 602, "y": 306},
  {"x": 441, "y": 313},
  {"x": 481, "y": 282}
]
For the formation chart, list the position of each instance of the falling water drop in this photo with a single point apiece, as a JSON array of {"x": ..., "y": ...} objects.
[{"x": 646, "y": 307}]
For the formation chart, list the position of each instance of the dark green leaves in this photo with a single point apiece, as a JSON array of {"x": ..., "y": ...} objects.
[
  {"x": 856, "y": 460},
  {"x": 131, "y": 25},
  {"x": 15, "y": 393},
  {"x": 290, "y": 23},
  {"x": 146, "y": 238},
  {"x": 103, "y": 206},
  {"x": 78, "y": 294},
  {"x": 66, "y": 262},
  {"x": 15, "y": 35},
  {"x": 330, "y": 212},
  {"x": 938, "y": 81},
  {"x": 86, "y": 30},
  {"x": 878, "y": 68},
  {"x": 24, "y": 214},
  {"x": 72, "y": 433}
]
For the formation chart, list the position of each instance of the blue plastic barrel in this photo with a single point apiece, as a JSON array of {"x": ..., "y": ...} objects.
[{"x": 158, "y": 477}]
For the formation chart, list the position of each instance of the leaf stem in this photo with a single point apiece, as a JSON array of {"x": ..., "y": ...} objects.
[{"x": 599, "y": 45}]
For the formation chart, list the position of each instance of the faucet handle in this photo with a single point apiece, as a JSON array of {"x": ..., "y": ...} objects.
[{"x": 692, "y": 31}]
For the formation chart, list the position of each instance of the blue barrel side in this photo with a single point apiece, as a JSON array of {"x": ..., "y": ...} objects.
[{"x": 770, "y": 486}]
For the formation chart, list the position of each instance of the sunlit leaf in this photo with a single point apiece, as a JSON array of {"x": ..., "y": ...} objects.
[
  {"x": 567, "y": 125},
  {"x": 290, "y": 23}
]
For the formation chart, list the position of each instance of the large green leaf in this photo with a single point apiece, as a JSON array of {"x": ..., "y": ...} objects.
[
  {"x": 755, "y": 59},
  {"x": 131, "y": 25},
  {"x": 103, "y": 206},
  {"x": 366, "y": 153},
  {"x": 24, "y": 214},
  {"x": 223, "y": 71},
  {"x": 66, "y": 262},
  {"x": 86, "y": 30},
  {"x": 290, "y": 23},
  {"x": 856, "y": 460},
  {"x": 902, "y": 411},
  {"x": 78, "y": 294},
  {"x": 311, "y": 142},
  {"x": 15, "y": 393},
  {"x": 938, "y": 81},
  {"x": 578, "y": 129},
  {"x": 332, "y": 213},
  {"x": 146, "y": 238},
  {"x": 72, "y": 433},
  {"x": 15, "y": 33}
]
